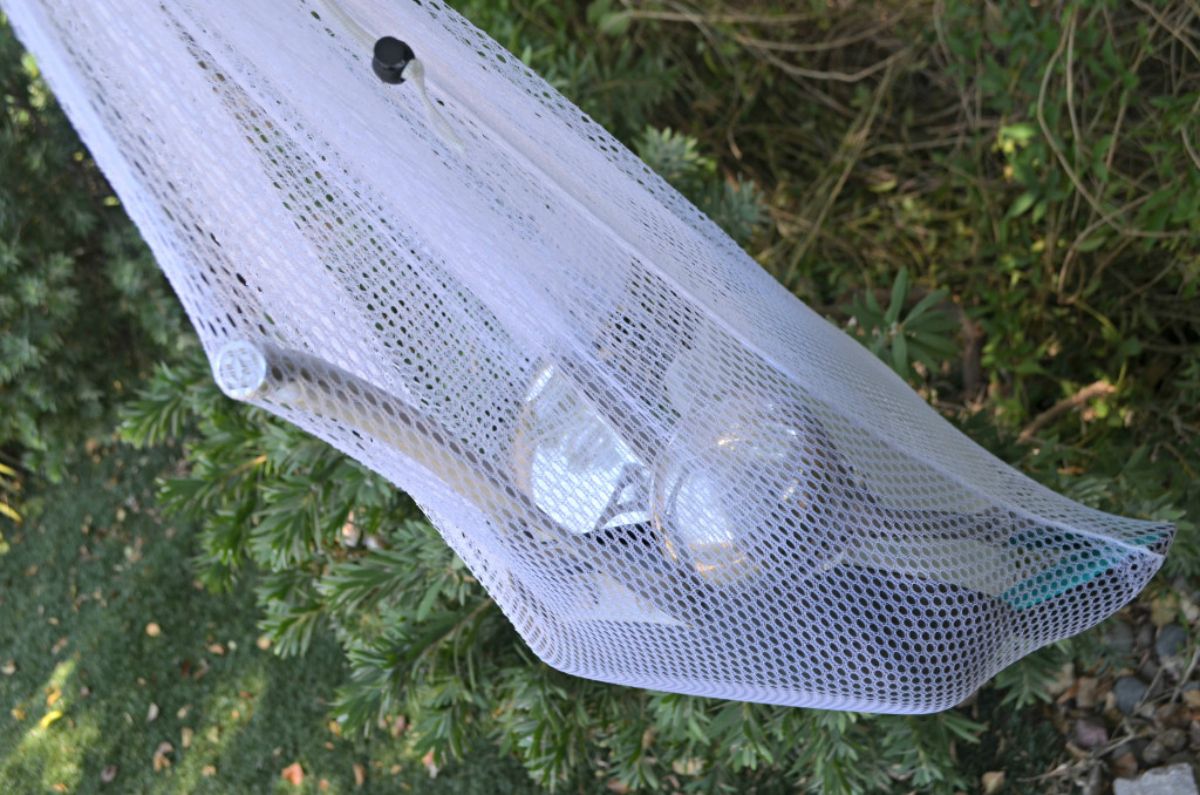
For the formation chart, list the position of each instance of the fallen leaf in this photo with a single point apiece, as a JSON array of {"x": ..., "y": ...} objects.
[
  {"x": 398, "y": 726},
  {"x": 618, "y": 786},
  {"x": 329, "y": 745},
  {"x": 186, "y": 736},
  {"x": 395, "y": 771},
  {"x": 18, "y": 713},
  {"x": 59, "y": 646},
  {"x": 108, "y": 774},
  {"x": 31, "y": 571},
  {"x": 53, "y": 695},
  {"x": 323, "y": 784},
  {"x": 264, "y": 642},
  {"x": 1062, "y": 681},
  {"x": 1085, "y": 694},
  {"x": 430, "y": 764},
  {"x": 217, "y": 649},
  {"x": 183, "y": 711},
  {"x": 9, "y": 668},
  {"x": 49, "y": 718},
  {"x": 152, "y": 713},
  {"x": 993, "y": 780},
  {"x": 1164, "y": 610},
  {"x": 336, "y": 728},
  {"x": 208, "y": 771},
  {"x": 153, "y": 629},
  {"x": 1191, "y": 610},
  {"x": 1125, "y": 765},
  {"x": 1192, "y": 698},
  {"x": 59, "y": 787},
  {"x": 293, "y": 774},
  {"x": 214, "y": 735},
  {"x": 360, "y": 775},
  {"x": 160, "y": 756},
  {"x": 85, "y": 691}
]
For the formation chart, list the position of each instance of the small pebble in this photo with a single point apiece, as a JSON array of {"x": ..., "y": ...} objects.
[
  {"x": 1173, "y": 740},
  {"x": 1145, "y": 636},
  {"x": 1148, "y": 670},
  {"x": 1085, "y": 693},
  {"x": 1155, "y": 753},
  {"x": 1172, "y": 639},
  {"x": 1129, "y": 692},
  {"x": 1170, "y": 716},
  {"x": 1090, "y": 732},
  {"x": 1175, "y": 780}
]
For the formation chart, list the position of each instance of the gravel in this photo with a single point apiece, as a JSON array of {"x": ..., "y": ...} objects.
[
  {"x": 1129, "y": 692},
  {"x": 1173, "y": 780}
]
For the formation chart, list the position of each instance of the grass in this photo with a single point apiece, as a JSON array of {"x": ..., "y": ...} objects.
[{"x": 78, "y": 588}]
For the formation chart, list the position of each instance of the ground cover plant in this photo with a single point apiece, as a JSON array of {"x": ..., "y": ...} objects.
[
  {"x": 120, "y": 675},
  {"x": 1002, "y": 201}
]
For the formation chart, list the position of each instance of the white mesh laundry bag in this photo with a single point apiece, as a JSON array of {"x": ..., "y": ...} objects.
[{"x": 666, "y": 470}]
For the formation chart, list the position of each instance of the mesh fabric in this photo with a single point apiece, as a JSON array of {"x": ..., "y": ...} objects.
[{"x": 667, "y": 471}]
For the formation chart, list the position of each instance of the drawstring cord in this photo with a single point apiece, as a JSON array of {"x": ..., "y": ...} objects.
[{"x": 394, "y": 62}]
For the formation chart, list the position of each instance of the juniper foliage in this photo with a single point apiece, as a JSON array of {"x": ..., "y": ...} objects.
[{"x": 84, "y": 309}]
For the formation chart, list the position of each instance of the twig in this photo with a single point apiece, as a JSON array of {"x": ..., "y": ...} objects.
[
  {"x": 1175, "y": 32},
  {"x": 1187, "y": 143},
  {"x": 840, "y": 77},
  {"x": 1187, "y": 468},
  {"x": 1106, "y": 217},
  {"x": 1186, "y": 676},
  {"x": 1058, "y": 772},
  {"x": 818, "y": 46},
  {"x": 1096, "y": 390},
  {"x": 693, "y": 18},
  {"x": 1074, "y": 249},
  {"x": 1070, "y": 70},
  {"x": 855, "y": 143}
]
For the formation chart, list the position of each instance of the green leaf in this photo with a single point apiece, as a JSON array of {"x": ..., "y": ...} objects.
[
  {"x": 1022, "y": 133},
  {"x": 1022, "y": 204},
  {"x": 1092, "y": 242},
  {"x": 427, "y": 603},
  {"x": 924, "y": 304},
  {"x": 899, "y": 293},
  {"x": 900, "y": 356}
]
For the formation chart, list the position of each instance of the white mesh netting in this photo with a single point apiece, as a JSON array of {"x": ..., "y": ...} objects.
[{"x": 666, "y": 470}]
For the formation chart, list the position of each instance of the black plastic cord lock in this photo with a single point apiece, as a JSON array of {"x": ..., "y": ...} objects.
[{"x": 391, "y": 58}]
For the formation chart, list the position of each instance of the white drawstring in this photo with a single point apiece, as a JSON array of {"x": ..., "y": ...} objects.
[{"x": 415, "y": 71}]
